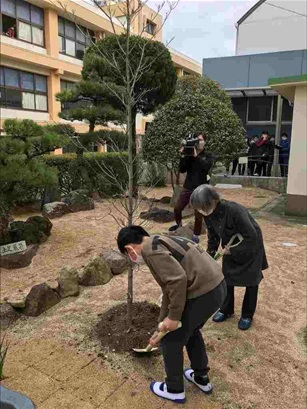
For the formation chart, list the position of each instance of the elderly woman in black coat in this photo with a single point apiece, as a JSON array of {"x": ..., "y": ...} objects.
[{"x": 243, "y": 264}]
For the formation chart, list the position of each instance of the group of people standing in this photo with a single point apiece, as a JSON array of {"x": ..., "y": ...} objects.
[{"x": 260, "y": 155}]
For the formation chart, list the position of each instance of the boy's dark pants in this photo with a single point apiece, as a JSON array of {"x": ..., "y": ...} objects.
[{"x": 196, "y": 312}]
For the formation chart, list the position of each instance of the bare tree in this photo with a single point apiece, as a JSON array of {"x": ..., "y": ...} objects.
[{"x": 127, "y": 96}]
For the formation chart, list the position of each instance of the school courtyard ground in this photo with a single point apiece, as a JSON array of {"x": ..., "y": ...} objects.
[{"x": 53, "y": 360}]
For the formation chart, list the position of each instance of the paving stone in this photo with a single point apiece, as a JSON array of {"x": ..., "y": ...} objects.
[
  {"x": 62, "y": 364},
  {"x": 34, "y": 384},
  {"x": 65, "y": 400},
  {"x": 94, "y": 383},
  {"x": 12, "y": 367},
  {"x": 33, "y": 351}
]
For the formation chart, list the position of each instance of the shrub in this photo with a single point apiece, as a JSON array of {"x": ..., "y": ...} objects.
[
  {"x": 95, "y": 172},
  {"x": 153, "y": 175}
]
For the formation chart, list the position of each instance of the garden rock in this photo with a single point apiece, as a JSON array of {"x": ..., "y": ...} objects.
[
  {"x": 78, "y": 201},
  {"x": 117, "y": 262},
  {"x": 40, "y": 299},
  {"x": 183, "y": 231},
  {"x": 35, "y": 230},
  {"x": 19, "y": 260},
  {"x": 158, "y": 215},
  {"x": 97, "y": 272},
  {"x": 7, "y": 316},
  {"x": 55, "y": 209},
  {"x": 165, "y": 200},
  {"x": 68, "y": 282},
  {"x": 203, "y": 227},
  {"x": 17, "y": 301}
]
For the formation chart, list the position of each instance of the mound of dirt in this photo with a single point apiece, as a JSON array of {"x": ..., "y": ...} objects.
[{"x": 112, "y": 330}]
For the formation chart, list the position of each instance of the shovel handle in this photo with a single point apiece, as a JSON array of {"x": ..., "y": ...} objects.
[{"x": 160, "y": 336}]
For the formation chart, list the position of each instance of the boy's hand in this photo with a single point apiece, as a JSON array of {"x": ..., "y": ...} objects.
[{"x": 168, "y": 325}]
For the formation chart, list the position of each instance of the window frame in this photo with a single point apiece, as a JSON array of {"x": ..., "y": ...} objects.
[
  {"x": 30, "y": 23},
  {"x": 154, "y": 26},
  {"x": 74, "y": 39},
  {"x": 24, "y": 90},
  {"x": 264, "y": 122}
]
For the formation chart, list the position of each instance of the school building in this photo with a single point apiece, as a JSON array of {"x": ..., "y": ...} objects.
[{"x": 42, "y": 48}]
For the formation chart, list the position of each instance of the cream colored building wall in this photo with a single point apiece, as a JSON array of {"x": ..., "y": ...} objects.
[
  {"x": 297, "y": 180},
  {"x": 271, "y": 28}
]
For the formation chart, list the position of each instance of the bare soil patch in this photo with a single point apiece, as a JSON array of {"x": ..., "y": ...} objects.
[{"x": 111, "y": 331}]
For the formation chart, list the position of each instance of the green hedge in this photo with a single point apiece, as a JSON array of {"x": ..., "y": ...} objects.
[{"x": 93, "y": 172}]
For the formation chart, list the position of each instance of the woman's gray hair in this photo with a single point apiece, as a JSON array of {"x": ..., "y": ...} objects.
[{"x": 204, "y": 197}]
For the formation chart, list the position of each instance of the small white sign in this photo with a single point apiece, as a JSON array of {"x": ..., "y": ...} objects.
[
  {"x": 289, "y": 244},
  {"x": 13, "y": 248}
]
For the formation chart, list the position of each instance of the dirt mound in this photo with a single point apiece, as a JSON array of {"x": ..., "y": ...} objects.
[{"x": 111, "y": 330}]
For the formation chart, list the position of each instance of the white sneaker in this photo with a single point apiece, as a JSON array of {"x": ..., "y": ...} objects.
[
  {"x": 189, "y": 375},
  {"x": 160, "y": 389}
]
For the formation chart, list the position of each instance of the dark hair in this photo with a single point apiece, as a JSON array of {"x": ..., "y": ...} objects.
[
  {"x": 265, "y": 133},
  {"x": 130, "y": 235},
  {"x": 284, "y": 134},
  {"x": 202, "y": 134}
]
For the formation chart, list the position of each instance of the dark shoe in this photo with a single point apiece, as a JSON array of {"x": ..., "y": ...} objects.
[
  {"x": 195, "y": 239},
  {"x": 245, "y": 323},
  {"x": 220, "y": 316},
  {"x": 174, "y": 228},
  {"x": 202, "y": 382}
]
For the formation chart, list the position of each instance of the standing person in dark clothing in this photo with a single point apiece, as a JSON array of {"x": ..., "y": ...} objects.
[
  {"x": 242, "y": 265},
  {"x": 193, "y": 288},
  {"x": 197, "y": 168},
  {"x": 270, "y": 151},
  {"x": 234, "y": 166},
  {"x": 284, "y": 153},
  {"x": 262, "y": 155},
  {"x": 252, "y": 155}
]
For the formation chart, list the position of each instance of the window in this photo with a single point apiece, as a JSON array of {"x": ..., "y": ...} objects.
[
  {"x": 240, "y": 108},
  {"x": 73, "y": 39},
  {"x": 260, "y": 109},
  {"x": 150, "y": 27},
  {"x": 287, "y": 110},
  {"x": 23, "y": 21},
  {"x": 70, "y": 105},
  {"x": 20, "y": 89}
]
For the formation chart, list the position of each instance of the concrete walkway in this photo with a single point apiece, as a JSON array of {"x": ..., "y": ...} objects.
[{"x": 55, "y": 377}]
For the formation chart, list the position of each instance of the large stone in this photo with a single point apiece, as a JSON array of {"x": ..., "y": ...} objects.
[
  {"x": 203, "y": 227},
  {"x": 97, "y": 272},
  {"x": 40, "y": 299},
  {"x": 78, "y": 201},
  {"x": 35, "y": 230},
  {"x": 183, "y": 231},
  {"x": 55, "y": 209},
  {"x": 7, "y": 316},
  {"x": 117, "y": 262},
  {"x": 68, "y": 282},
  {"x": 17, "y": 300},
  {"x": 158, "y": 215},
  {"x": 19, "y": 260},
  {"x": 165, "y": 200}
]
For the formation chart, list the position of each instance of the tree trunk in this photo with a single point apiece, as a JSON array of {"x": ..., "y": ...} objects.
[
  {"x": 135, "y": 164},
  {"x": 177, "y": 178},
  {"x": 172, "y": 180}
]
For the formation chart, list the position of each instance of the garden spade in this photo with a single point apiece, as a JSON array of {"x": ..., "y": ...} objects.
[{"x": 149, "y": 349}]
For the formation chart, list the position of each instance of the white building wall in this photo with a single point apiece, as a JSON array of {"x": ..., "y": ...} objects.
[{"x": 276, "y": 25}]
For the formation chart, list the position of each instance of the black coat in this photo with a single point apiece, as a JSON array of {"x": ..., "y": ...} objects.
[
  {"x": 197, "y": 169},
  {"x": 244, "y": 266}
]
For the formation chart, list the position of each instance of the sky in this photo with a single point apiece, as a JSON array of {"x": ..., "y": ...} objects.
[{"x": 204, "y": 28}]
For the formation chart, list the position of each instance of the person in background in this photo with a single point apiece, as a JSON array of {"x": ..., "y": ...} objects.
[
  {"x": 243, "y": 264},
  {"x": 270, "y": 151},
  {"x": 262, "y": 155},
  {"x": 242, "y": 166},
  {"x": 193, "y": 289},
  {"x": 234, "y": 165},
  {"x": 284, "y": 153},
  {"x": 252, "y": 155},
  {"x": 197, "y": 168}
]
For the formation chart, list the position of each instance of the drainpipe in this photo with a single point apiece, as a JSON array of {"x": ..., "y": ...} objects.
[{"x": 277, "y": 133}]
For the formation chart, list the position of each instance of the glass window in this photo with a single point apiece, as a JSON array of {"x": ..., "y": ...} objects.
[
  {"x": 23, "y": 10},
  {"x": 70, "y": 47},
  {"x": 9, "y": 26},
  {"x": 11, "y": 77},
  {"x": 41, "y": 102},
  {"x": 13, "y": 98},
  {"x": 24, "y": 31},
  {"x": 8, "y": 6},
  {"x": 37, "y": 36},
  {"x": 28, "y": 101},
  {"x": 40, "y": 83},
  {"x": 2, "y": 96},
  {"x": 80, "y": 49},
  {"x": 287, "y": 111},
  {"x": 80, "y": 35},
  {"x": 1, "y": 76},
  {"x": 61, "y": 25},
  {"x": 37, "y": 15},
  {"x": 27, "y": 81},
  {"x": 260, "y": 109},
  {"x": 150, "y": 28},
  {"x": 240, "y": 107},
  {"x": 61, "y": 44},
  {"x": 69, "y": 29}
]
